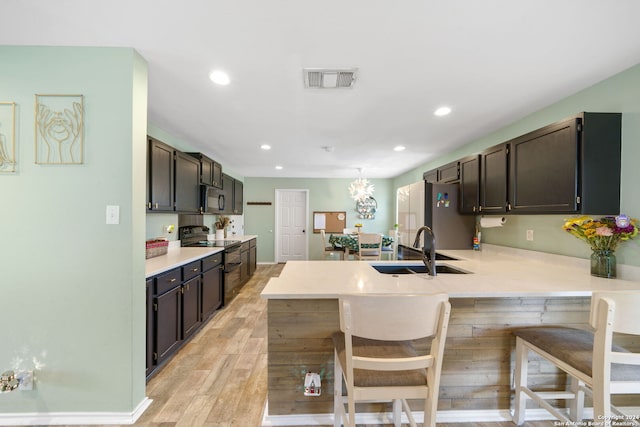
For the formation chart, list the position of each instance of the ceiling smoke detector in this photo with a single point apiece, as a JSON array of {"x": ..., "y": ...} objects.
[{"x": 325, "y": 78}]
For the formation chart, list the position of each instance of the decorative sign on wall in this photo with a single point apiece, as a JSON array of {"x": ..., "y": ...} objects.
[
  {"x": 367, "y": 208},
  {"x": 7, "y": 137},
  {"x": 59, "y": 129}
]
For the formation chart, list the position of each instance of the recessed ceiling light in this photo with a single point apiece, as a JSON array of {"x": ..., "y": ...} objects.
[
  {"x": 399, "y": 148},
  {"x": 219, "y": 77},
  {"x": 265, "y": 147},
  {"x": 279, "y": 167},
  {"x": 442, "y": 111}
]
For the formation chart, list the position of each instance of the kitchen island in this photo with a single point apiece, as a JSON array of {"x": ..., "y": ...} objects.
[{"x": 506, "y": 288}]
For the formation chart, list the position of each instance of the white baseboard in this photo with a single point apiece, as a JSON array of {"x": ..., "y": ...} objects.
[
  {"x": 496, "y": 415},
  {"x": 74, "y": 418},
  {"x": 462, "y": 416}
]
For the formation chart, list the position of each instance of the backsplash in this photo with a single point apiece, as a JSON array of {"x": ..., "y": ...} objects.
[{"x": 157, "y": 223}]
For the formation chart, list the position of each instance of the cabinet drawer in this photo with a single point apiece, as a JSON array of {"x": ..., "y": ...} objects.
[
  {"x": 211, "y": 261},
  {"x": 191, "y": 270},
  {"x": 167, "y": 281},
  {"x": 245, "y": 246}
]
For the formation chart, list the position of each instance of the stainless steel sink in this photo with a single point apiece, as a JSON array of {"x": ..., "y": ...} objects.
[
  {"x": 416, "y": 269},
  {"x": 442, "y": 257}
]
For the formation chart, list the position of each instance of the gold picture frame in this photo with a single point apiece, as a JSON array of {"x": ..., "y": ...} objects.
[
  {"x": 7, "y": 137},
  {"x": 59, "y": 129}
]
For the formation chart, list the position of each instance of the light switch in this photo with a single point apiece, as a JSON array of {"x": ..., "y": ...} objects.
[{"x": 113, "y": 214}]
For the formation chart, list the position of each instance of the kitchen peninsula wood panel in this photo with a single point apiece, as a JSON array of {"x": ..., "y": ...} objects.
[{"x": 476, "y": 371}]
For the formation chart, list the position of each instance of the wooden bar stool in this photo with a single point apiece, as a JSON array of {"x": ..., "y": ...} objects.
[
  {"x": 595, "y": 366},
  {"x": 375, "y": 356}
]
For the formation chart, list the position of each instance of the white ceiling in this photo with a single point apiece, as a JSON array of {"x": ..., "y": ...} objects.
[{"x": 491, "y": 61}]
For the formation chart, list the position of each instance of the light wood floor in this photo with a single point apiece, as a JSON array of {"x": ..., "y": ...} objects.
[{"x": 219, "y": 379}]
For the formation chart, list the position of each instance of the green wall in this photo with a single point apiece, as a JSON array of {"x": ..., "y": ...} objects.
[
  {"x": 73, "y": 287},
  {"x": 620, "y": 93},
  {"x": 324, "y": 195}
]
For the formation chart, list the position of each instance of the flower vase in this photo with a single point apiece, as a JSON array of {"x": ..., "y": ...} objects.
[
  {"x": 603, "y": 263},
  {"x": 219, "y": 234}
]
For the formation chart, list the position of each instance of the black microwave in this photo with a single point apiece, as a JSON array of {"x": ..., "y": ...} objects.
[{"x": 212, "y": 199}]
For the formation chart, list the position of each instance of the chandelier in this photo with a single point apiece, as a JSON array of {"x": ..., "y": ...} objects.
[{"x": 360, "y": 189}]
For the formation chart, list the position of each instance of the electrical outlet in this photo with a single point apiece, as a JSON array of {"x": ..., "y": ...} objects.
[{"x": 530, "y": 235}]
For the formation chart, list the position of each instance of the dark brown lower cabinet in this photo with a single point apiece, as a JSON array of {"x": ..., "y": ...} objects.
[
  {"x": 211, "y": 291},
  {"x": 232, "y": 284},
  {"x": 150, "y": 363},
  {"x": 182, "y": 299},
  {"x": 191, "y": 318},
  {"x": 253, "y": 261},
  {"x": 168, "y": 331},
  {"x": 179, "y": 301},
  {"x": 244, "y": 259}
]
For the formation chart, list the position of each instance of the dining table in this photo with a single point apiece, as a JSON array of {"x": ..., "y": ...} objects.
[{"x": 350, "y": 242}]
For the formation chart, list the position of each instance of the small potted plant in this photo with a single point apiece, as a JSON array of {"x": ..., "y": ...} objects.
[
  {"x": 358, "y": 227},
  {"x": 221, "y": 227}
]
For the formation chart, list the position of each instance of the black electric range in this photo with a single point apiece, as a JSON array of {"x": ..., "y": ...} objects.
[{"x": 196, "y": 236}]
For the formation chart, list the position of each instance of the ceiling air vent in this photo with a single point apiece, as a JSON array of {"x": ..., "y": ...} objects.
[{"x": 319, "y": 78}]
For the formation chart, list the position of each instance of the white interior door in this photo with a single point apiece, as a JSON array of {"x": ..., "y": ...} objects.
[{"x": 292, "y": 215}]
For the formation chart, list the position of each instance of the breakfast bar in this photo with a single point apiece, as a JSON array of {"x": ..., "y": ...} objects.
[{"x": 504, "y": 288}]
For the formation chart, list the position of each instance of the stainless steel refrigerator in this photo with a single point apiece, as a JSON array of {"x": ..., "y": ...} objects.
[
  {"x": 435, "y": 205},
  {"x": 452, "y": 230}
]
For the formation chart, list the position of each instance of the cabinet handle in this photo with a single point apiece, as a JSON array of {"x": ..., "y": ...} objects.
[
  {"x": 172, "y": 280},
  {"x": 155, "y": 356},
  {"x": 149, "y": 205},
  {"x": 479, "y": 208},
  {"x": 194, "y": 270},
  {"x": 508, "y": 207},
  {"x": 156, "y": 205},
  {"x": 474, "y": 208}
]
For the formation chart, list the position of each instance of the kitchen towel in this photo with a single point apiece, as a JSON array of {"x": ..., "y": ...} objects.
[{"x": 492, "y": 222}]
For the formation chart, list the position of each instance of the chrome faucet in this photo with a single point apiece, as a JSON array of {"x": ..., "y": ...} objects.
[{"x": 429, "y": 258}]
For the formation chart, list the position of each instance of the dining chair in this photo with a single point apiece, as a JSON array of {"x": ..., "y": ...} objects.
[
  {"x": 376, "y": 356},
  {"x": 594, "y": 364},
  {"x": 369, "y": 246},
  {"x": 391, "y": 250},
  {"x": 329, "y": 249}
]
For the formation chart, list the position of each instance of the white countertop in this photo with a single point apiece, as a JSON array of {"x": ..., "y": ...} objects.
[
  {"x": 177, "y": 256},
  {"x": 497, "y": 272}
]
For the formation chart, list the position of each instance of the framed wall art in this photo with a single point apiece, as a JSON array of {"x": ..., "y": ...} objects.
[
  {"x": 7, "y": 137},
  {"x": 59, "y": 129}
]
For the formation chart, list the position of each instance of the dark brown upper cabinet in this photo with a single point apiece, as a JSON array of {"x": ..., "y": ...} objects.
[
  {"x": 431, "y": 176},
  {"x": 470, "y": 184},
  {"x": 493, "y": 179},
  {"x": 446, "y": 174},
  {"x": 572, "y": 166},
  {"x": 187, "y": 197},
  {"x": 160, "y": 176},
  {"x": 210, "y": 170},
  {"x": 449, "y": 173},
  {"x": 238, "y": 197}
]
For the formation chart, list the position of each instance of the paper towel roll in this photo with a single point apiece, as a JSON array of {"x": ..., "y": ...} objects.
[{"x": 492, "y": 222}]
